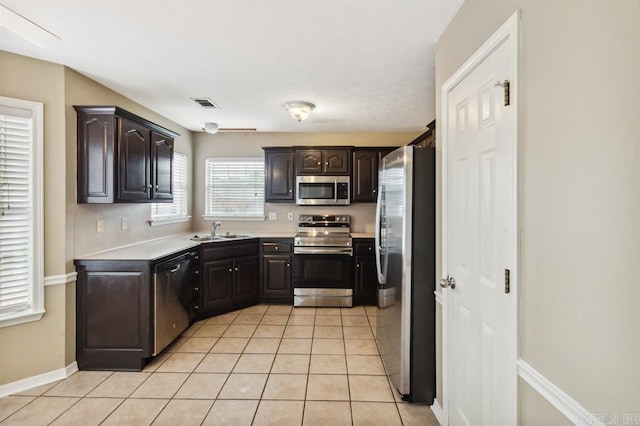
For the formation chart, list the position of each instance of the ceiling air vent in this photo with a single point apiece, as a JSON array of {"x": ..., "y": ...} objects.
[{"x": 206, "y": 103}]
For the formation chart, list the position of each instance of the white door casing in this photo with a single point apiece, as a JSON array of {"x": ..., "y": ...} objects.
[{"x": 479, "y": 193}]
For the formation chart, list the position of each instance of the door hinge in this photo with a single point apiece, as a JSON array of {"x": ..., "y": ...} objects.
[
  {"x": 506, "y": 86},
  {"x": 507, "y": 281}
]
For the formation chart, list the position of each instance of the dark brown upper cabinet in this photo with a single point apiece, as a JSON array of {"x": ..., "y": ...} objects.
[
  {"x": 122, "y": 158},
  {"x": 365, "y": 173},
  {"x": 279, "y": 175},
  {"x": 323, "y": 161}
]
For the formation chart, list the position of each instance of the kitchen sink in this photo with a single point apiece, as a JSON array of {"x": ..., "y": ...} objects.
[{"x": 205, "y": 238}]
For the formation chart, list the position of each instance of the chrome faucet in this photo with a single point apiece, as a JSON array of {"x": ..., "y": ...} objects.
[{"x": 214, "y": 225}]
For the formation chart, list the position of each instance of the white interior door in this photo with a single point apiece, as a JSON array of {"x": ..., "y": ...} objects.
[{"x": 480, "y": 239}]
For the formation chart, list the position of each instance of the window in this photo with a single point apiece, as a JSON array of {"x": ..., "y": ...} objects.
[
  {"x": 235, "y": 188},
  {"x": 21, "y": 253},
  {"x": 165, "y": 213}
]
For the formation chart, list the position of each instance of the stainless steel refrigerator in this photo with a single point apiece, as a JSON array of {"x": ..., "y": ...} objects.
[{"x": 405, "y": 260}]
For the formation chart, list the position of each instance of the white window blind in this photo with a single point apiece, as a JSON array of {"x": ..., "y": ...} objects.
[
  {"x": 177, "y": 209},
  {"x": 21, "y": 280},
  {"x": 235, "y": 187}
]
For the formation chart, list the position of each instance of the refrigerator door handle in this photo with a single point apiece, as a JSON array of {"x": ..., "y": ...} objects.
[{"x": 378, "y": 242}]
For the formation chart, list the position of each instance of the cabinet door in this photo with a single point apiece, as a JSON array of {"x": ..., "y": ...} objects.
[
  {"x": 217, "y": 284},
  {"x": 366, "y": 282},
  {"x": 161, "y": 167},
  {"x": 279, "y": 176},
  {"x": 365, "y": 176},
  {"x": 246, "y": 279},
  {"x": 95, "y": 158},
  {"x": 114, "y": 316},
  {"x": 336, "y": 162},
  {"x": 277, "y": 276},
  {"x": 309, "y": 162},
  {"x": 133, "y": 161}
]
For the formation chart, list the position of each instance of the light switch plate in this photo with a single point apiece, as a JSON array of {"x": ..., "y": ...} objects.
[
  {"x": 290, "y": 215},
  {"x": 124, "y": 223},
  {"x": 273, "y": 216},
  {"x": 100, "y": 226}
]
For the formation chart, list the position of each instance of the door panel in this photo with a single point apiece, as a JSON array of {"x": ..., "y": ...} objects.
[
  {"x": 133, "y": 159},
  {"x": 217, "y": 283},
  {"x": 162, "y": 167},
  {"x": 479, "y": 239}
]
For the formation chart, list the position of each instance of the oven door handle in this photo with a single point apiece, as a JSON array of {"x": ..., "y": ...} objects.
[{"x": 323, "y": 250}]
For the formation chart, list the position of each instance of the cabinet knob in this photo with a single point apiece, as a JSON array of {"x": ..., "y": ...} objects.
[
  {"x": 236, "y": 269},
  {"x": 288, "y": 265},
  {"x": 277, "y": 248},
  {"x": 150, "y": 186},
  {"x": 319, "y": 163},
  {"x": 230, "y": 270},
  {"x": 326, "y": 164},
  {"x": 196, "y": 307},
  {"x": 374, "y": 191},
  {"x": 196, "y": 288},
  {"x": 358, "y": 265},
  {"x": 291, "y": 190},
  {"x": 157, "y": 187}
]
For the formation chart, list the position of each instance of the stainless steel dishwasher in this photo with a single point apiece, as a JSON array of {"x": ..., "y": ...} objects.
[{"x": 171, "y": 315}]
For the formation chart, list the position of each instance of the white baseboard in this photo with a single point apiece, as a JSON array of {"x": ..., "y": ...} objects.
[
  {"x": 39, "y": 380},
  {"x": 437, "y": 411},
  {"x": 568, "y": 406}
]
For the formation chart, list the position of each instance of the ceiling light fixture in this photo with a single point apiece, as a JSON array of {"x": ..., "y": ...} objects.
[
  {"x": 299, "y": 110},
  {"x": 210, "y": 127}
]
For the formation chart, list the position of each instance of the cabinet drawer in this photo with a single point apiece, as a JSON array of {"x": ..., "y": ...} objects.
[
  {"x": 364, "y": 247},
  {"x": 214, "y": 250},
  {"x": 277, "y": 247}
]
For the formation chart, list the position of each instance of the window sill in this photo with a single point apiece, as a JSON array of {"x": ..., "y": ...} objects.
[
  {"x": 15, "y": 318},
  {"x": 168, "y": 220},
  {"x": 238, "y": 218}
]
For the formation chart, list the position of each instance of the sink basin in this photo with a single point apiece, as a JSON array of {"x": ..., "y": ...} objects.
[{"x": 204, "y": 238}]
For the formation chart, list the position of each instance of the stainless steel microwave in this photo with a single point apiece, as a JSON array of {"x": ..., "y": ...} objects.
[{"x": 323, "y": 190}]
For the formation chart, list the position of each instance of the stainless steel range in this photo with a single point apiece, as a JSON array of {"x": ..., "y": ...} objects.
[{"x": 323, "y": 262}]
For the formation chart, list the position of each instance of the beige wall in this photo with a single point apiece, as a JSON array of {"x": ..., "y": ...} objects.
[
  {"x": 69, "y": 229},
  {"x": 579, "y": 205},
  {"x": 39, "y": 347},
  {"x": 249, "y": 145},
  {"x": 81, "y": 90}
]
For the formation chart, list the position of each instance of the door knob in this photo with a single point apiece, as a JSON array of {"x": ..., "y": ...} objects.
[{"x": 448, "y": 282}]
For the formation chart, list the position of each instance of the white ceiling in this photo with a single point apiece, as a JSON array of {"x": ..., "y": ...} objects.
[{"x": 367, "y": 65}]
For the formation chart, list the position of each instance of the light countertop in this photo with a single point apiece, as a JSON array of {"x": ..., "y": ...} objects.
[{"x": 161, "y": 247}]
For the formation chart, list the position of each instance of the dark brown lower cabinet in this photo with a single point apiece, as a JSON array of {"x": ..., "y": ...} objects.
[
  {"x": 115, "y": 308},
  {"x": 365, "y": 290},
  {"x": 277, "y": 271},
  {"x": 229, "y": 276},
  {"x": 217, "y": 284}
]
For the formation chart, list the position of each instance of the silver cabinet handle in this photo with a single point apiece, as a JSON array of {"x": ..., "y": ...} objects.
[
  {"x": 448, "y": 282},
  {"x": 277, "y": 248},
  {"x": 230, "y": 270},
  {"x": 236, "y": 269},
  {"x": 176, "y": 268},
  {"x": 288, "y": 265}
]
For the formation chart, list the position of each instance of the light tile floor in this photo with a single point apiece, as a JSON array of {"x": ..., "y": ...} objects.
[{"x": 263, "y": 365}]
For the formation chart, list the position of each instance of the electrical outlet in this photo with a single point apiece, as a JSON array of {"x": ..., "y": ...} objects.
[
  {"x": 273, "y": 216},
  {"x": 124, "y": 223},
  {"x": 290, "y": 216},
  {"x": 100, "y": 226}
]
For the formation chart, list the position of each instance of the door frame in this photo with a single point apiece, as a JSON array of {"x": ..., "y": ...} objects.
[{"x": 508, "y": 30}]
